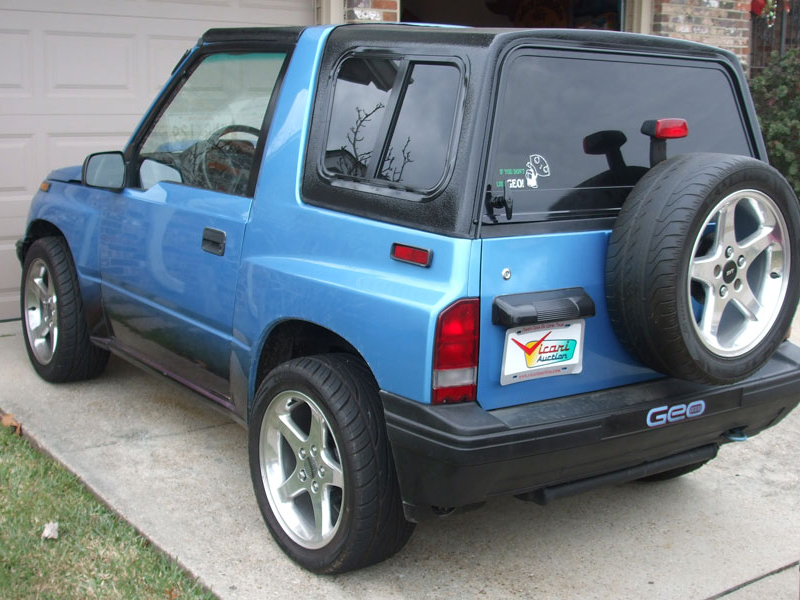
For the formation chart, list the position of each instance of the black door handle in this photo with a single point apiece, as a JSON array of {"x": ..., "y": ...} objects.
[
  {"x": 515, "y": 310},
  {"x": 213, "y": 241}
]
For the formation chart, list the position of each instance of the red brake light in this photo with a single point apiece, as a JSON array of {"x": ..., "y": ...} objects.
[
  {"x": 410, "y": 254},
  {"x": 455, "y": 358},
  {"x": 666, "y": 129},
  {"x": 669, "y": 129}
]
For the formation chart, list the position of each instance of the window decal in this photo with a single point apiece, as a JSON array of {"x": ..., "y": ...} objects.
[{"x": 537, "y": 167}]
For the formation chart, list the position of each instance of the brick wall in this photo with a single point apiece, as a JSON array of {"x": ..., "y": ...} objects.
[
  {"x": 723, "y": 23},
  {"x": 366, "y": 11}
]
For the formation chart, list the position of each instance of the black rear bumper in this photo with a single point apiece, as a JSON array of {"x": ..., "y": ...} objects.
[{"x": 458, "y": 455}]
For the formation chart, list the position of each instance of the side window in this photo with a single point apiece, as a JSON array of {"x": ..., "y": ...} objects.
[
  {"x": 567, "y": 139},
  {"x": 392, "y": 122},
  {"x": 206, "y": 137}
]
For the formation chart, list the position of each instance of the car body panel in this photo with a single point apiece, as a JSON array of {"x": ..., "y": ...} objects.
[
  {"x": 75, "y": 212},
  {"x": 551, "y": 262},
  {"x": 334, "y": 270},
  {"x": 163, "y": 294}
]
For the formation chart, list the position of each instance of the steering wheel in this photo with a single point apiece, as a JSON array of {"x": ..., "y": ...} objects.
[
  {"x": 232, "y": 159},
  {"x": 214, "y": 138}
]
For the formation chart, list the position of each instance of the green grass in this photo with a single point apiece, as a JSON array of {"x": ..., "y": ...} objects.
[{"x": 96, "y": 555}]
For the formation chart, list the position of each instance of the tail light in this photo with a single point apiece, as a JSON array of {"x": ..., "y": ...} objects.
[{"x": 455, "y": 354}]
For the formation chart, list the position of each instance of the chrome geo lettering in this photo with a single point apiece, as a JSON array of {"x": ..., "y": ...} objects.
[{"x": 672, "y": 414}]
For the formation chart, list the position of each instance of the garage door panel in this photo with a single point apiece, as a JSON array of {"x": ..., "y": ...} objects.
[
  {"x": 274, "y": 5},
  {"x": 17, "y": 171},
  {"x": 17, "y": 163},
  {"x": 76, "y": 77},
  {"x": 205, "y": 3},
  {"x": 163, "y": 53},
  {"x": 16, "y": 48},
  {"x": 112, "y": 74},
  {"x": 230, "y": 13},
  {"x": 9, "y": 284},
  {"x": 12, "y": 224},
  {"x": 65, "y": 149},
  {"x": 90, "y": 64},
  {"x": 26, "y": 157}
]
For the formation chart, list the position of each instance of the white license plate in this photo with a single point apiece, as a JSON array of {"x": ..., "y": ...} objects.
[{"x": 545, "y": 350}]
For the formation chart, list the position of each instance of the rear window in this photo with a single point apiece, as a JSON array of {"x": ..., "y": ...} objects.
[
  {"x": 567, "y": 140},
  {"x": 392, "y": 122}
]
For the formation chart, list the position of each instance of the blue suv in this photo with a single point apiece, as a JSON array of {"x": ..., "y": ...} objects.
[{"x": 427, "y": 266}]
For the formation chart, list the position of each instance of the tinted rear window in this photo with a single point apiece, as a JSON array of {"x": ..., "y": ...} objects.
[
  {"x": 567, "y": 138},
  {"x": 419, "y": 144}
]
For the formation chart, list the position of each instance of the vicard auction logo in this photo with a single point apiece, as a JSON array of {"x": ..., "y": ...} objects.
[{"x": 540, "y": 352}]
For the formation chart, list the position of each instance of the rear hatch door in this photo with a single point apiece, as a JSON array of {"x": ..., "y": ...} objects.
[{"x": 566, "y": 149}]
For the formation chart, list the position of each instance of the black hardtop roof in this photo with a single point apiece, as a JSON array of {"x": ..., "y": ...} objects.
[{"x": 477, "y": 36}]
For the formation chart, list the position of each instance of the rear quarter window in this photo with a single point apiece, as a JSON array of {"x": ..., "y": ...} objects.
[
  {"x": 567, "y": 140},
  {"x": 392, "y": 123}
]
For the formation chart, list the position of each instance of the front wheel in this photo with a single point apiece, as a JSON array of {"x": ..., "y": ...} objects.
[
  {"x": 56, "y": 334},
  {"x": 321, "y": 465}
]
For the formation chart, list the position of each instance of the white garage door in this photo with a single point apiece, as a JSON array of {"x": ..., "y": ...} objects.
[{"x": 77, "y": 75}]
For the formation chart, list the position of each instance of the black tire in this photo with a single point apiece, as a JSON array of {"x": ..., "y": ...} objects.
[
  {"x": 340, "y": 392},
  {"x": 673, "y": 473},
  {"x": 53, "y": 323},
  {"x": 670, "y": 304}
]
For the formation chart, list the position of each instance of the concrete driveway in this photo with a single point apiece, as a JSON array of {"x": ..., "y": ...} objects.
[{"x": 178, "y": 472}]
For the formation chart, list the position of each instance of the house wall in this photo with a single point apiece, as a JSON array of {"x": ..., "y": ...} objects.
[
  {"x": 369, "y": 11},
  {"x": 722, "y": 23},
  {"x": 639, "y": 16}
]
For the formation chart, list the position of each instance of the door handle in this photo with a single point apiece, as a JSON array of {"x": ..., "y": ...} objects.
[
  {"x": 213, "y": 241},
  {"x": 516, "y": 310}
]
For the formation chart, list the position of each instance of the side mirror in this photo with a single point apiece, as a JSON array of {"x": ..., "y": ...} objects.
[{"x": 104, "y": 170}]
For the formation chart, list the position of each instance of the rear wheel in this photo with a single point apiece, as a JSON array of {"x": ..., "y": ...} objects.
[
  {"x": 56, "y": 335},
  {"x": 321, "y": 466}
]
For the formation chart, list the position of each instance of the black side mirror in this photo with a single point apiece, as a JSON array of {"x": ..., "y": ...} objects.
[{"x": 104, "y": 170}]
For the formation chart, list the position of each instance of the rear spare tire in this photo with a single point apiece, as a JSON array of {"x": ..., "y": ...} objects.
[{"x": 702, "y": 267}]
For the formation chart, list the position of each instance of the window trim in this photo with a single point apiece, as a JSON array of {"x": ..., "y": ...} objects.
[{"x": 373, "y": 184}]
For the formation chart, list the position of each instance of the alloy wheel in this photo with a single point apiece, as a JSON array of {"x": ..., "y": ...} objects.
[
  {"x": 739, "y": 272},
  {"x": 41, "y": 311},
  {"x": 302, "y": 470}
]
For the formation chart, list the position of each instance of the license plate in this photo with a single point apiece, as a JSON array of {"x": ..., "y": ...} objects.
[{"x": 545, "y": 350}]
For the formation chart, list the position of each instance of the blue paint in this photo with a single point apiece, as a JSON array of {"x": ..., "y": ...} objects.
[
  {"x": 551, "y": 262},
  {"x": 159, "y": 286}
]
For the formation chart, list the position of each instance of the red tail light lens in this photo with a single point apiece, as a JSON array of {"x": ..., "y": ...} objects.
[{"x": 455, "y": 356}]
